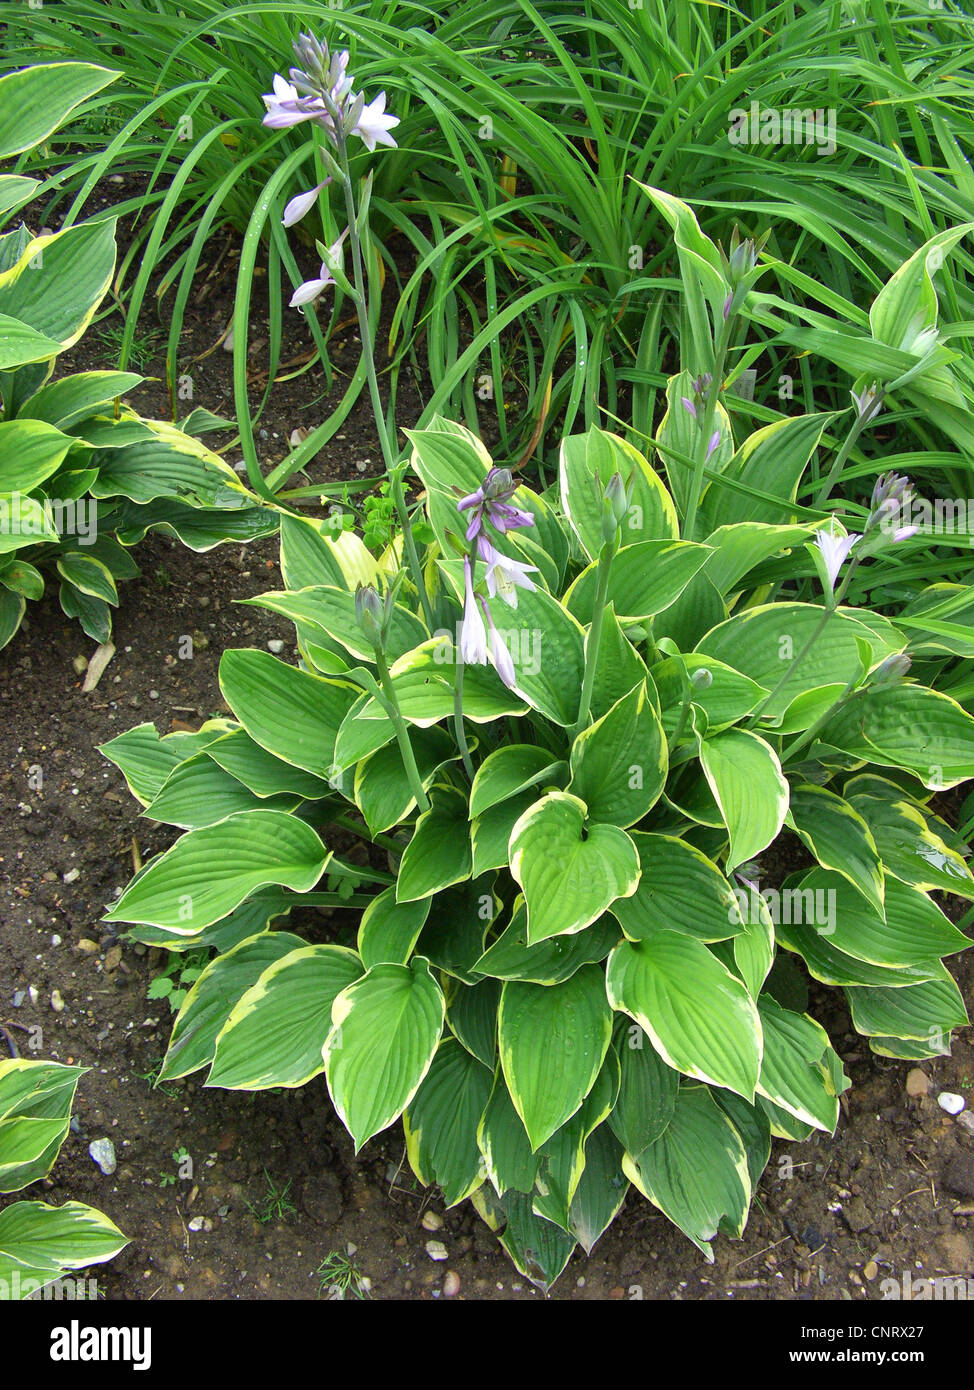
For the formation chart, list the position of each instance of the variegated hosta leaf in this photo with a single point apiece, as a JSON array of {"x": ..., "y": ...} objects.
[
  {"x": 275, "y": 1032},
  {"x": 569, "y": 871},
  {"x": 441, "y": 1123},
  {"x": 385, "y": 1031},
  {"x": 39, "y": 1244}
]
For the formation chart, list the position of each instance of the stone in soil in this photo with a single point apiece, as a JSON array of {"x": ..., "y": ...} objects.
[
  {"x": 103, "y": 1153},
  {"x": 959, "y": 1175}
]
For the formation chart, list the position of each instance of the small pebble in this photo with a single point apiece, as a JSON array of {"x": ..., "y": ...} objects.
[
  {"x": 432, "y": 1221},
  {"x": 32, "y": 994},
  {"x": 917, "y": 1082},
  {"x": 57, "y": 1003},
  {"x": 201, "y": 1223},
  {"x": 967, "y": 1120},
  {"x": 55, "y": 940},
  {"x": 451, "y": 1283},
  {"x": 437, "y": 1250},
  {"x": 71, "y": 876},
  {"x": 870, "y": 1270},
  {"x": 103, "y": 1153},
  {"x": 275, "y": 645},
  {"x": 950, "y": 1102},
  {"x": 19, "y": 996},
  {"x": 86, "y": 946},
  {"x": 80, "y": 664}
]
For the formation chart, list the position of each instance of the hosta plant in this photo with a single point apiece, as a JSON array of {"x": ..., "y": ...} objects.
[
  {"x": 576, "y": 977},
  {"x": 83, "y": 476},
  {"x": 40, "y": 1243}
]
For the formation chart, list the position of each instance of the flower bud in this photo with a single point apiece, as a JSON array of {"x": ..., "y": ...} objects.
[
  {"x": 370, "y": 613},
  {"x": 893, "y": 669},
  {"x": 702, "y": 679}
]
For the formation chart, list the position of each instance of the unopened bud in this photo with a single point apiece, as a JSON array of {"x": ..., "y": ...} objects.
[
  {"x": 893, "y": 669},
  {"x": 370, "y": 613},
  {"x": 702, "y": 679}
]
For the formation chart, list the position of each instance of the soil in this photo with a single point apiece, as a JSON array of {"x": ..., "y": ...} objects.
[{"x": 891, "y": 1194}]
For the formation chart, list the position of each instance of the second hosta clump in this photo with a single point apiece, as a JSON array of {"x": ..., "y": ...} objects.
[{"x": 569, "y": 983}]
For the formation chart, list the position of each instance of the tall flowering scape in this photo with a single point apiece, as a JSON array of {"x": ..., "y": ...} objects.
[
  {"x": 490, "y": 505},
  {"x": 321, "y": 90}
]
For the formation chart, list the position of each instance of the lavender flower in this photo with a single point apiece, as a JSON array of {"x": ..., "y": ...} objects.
[
  {"x": 301, "y": 205},
  {"x": 490, "y": 504},
  {"x": 473, "y": 633},
  {"x": 311, "y": 289},
  {"x": 321, "y": 90},
  {"x": 504, "y": 576}
]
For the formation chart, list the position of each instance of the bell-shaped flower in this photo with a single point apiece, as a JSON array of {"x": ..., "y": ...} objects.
[
  {"x": 302, "y": 204},
  {"x": 374, "y": 124},
  {"x": 835, "y": 550},
  {"x": 504, "y": 576},
  {"x": 311, "y": 289},
  {"x": 473, "y": 633},
  {"x": 285, "y": 107}
]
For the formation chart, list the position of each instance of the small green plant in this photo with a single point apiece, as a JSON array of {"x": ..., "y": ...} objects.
[
  {"x": 179, "y": 1156},
  {"x": 339, "y": 1278},
  {"x": 146, "y": 343},
  {"x": 275, "y": 1204},
  {"x": 178, "y": 975}
]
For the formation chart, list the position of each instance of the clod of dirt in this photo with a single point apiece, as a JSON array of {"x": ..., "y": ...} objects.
[
  {"x": 959, "y": 1175},
  {"x": 857, "y": 1215}
]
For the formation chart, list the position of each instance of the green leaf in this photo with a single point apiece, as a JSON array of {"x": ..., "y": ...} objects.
[
  {"x": 771, "y": 460},
  {"x": 553, "y": 1040},
  {"x": 910, "y": 849},
  {"x": 551, "y": 961},
  {"x": 471, "y": 1014},
  {"x": 601, "y": 1190},
  {"x": 24, "y": 521},
  {"x": 198, "y": 793},
  {"x": 209, "y": 872},
  {"x": 453, "y": 937},
  {"x": 442, "y": 1119},
  {"x": 389, "y": 930},
  {"x": 569, "y": 871},
  {"x": 619, "y": 763},
  {"x": 913, "y": 931},
  {"x": 38, "y": 1242},
  {"x": 12, "y": 609},
  {"x": 794, "y": 1075},
  {"x": 382, "y": 788},
  {"x": 490, "y": 833},
  {"x": 699, "y": 1017},
  {"x": 290, "y": 713},
  {"x": 259, "y": 771},
  {"x": 583, "y": 457},
  {"x": 647, "y": 1095},
  {"x": 275, "y": 1032},
  {"x": 546, "y": 647},
  {"x": 385, "y": 1032},
  {"x": 696, "y": 1172},
  {"x": 644, "y": 580},
  {"x": 765, "y": 642},
  {"x": 906, "y": 726},
  {"x": 745, "y": 777},
  {"x": 618, "y": 667},
  {"x": 212, "y": 997},
  {"x": 539, "y": 1248},
  {"x": 20, "y": 344},
  {"x": 728, "y": 697},
  {"x": 834, "y": 967},
  {"x": 92, "y": 613},
  {"x": 71, "y": 399},
  {"x": 839, "y": 838},
  {"x": 30, "y": 452},
  {"x": 59, "y": 280},
  {"x": 508, "y": 771},
  {"x": 742, "y": 547},
  {"x": 145, "y": 759},
  {"x": 330, "y": 611},
  {"x": 437, "y": 856},
  {"x": 504, "y": 1144},
  {"x": 36, "y": 100},
  {"x": 922, "y": 1013},
  {"x": 680, "y": 889}
]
